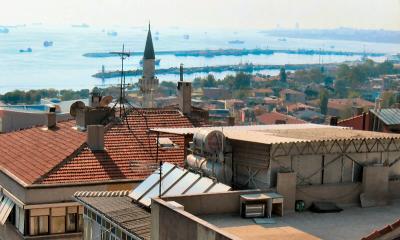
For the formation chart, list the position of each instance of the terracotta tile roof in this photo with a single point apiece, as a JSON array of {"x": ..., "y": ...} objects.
[
  {"x": 272, "y": 117},
  {"x": 380, "y": 233},
  {"x": 341, "y": 103},
  {"x": 130, "y": 150},
  {"x": 28, "y": 154}
]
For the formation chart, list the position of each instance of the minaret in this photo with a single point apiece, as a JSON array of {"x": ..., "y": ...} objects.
[{"x": 148, "y": 83}]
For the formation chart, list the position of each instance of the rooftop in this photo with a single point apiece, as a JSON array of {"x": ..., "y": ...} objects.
[
  {"x": 390, "y": 116},
  {"x": 272, "y": 117},
  {"x": 46, "y": 156},
  {"x": 119, "y": 208},
  {"x": 288, "y": 133},
  {"x": 345, "y": 102},
  {"x": 352, "y": 223}
]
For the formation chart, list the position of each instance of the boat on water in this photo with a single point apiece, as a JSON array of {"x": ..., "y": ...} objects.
[
  {"x": 236, "y": 42},
  {"x": 112, "y": 33},
  {"x": 395, "y": 58},
  {"x": 157, "y": 61},
  {"x": 186, "y": 36},
  {"x": 47, "y": 43},
  {"x": 83, "y": 25},
  {"x": 282, "y": 39},
  {"x": 4, "y": 30},
  {"x": 28, "y": 50}
]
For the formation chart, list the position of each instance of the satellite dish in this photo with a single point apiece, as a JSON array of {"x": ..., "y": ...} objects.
[
  {"x": 105, "y": 101},
  {"x": 75, "y": 106}
]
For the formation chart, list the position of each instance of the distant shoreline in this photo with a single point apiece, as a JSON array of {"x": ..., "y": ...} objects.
[
  {"x": 248, "y": 68},
  {"x": 240, "y": 52}
]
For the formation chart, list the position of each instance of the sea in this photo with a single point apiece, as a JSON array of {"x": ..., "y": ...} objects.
[{"x": 63, "y": 66}]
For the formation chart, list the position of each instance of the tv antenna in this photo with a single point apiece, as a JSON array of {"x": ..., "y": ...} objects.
[{"x": 123, "y": 55}]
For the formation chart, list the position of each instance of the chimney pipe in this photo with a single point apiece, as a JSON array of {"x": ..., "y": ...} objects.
[
  {"x": 95, "y": 137},
  {"x": 334, "y": 121},
  {"x": 181, "y": 72},
  {"x": 51, "y": 120},
  {"x": 185, "y": 97}
]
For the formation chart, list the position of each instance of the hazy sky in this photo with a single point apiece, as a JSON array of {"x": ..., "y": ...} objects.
[{"x": 259, "y": 14}]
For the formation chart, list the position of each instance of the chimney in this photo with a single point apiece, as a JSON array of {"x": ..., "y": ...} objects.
[
  {"x": 280, "y": 121},
  {"x": 51, "y": 120},
  {"x": 377, "y": 104},
  {"x": 93, "y": 116},
  {"x": 333, "y": 121},
  {"x": 95, "y": 137},
  {"x": 185, "y": 97},
  {"x": 95, "y": 99},
  {"x": 181, "y": 72}
]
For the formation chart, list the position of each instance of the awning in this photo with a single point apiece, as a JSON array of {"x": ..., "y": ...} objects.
[{"x": 6, "y": 205}]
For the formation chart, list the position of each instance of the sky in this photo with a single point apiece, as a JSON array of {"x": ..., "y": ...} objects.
[{"x": 232, "y": 14}]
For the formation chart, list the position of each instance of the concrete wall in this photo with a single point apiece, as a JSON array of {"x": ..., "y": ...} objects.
[
  {"x": 9, "y": 232},
  {"x": 286, "y": 186},
  {"x": 211, "y": 203},
  {"x": 15, "y": 120},
  {"x": 56, "y": 194},
  {"x": 251, "y": 163},
  {"x": 175, "y": 224},
  {"x": 64, "y": 194},
  {"x": 344, "y": 194}
]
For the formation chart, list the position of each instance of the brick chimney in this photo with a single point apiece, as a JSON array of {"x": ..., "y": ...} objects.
[
  {"x": 185, "y": 97},
  {"x": 51, "y": 120},
  {"x": 95, "y": 137}
]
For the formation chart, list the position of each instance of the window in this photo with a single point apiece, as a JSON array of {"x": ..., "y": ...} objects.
[
  {"x": 39, "y": 221},
  {"x": 57, "y": 224},
  {"x": 39, "y": 225},
  {"x": 80, "y": 222},
  {"x": 71, "y": 222},
  {"x": 72, "y": 219}
]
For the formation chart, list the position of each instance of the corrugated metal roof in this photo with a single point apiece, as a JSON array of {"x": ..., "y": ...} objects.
[
  {"x": 286, "y": 133},
  {"x": 390, "y": 116}
]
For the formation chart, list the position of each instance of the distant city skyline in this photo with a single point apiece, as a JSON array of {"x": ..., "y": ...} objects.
[{"x": 232, "y": 14}]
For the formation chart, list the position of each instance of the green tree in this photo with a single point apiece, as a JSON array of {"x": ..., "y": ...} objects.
[
  {"x": 323, "y": 101},
  {"x": 340, "y": 88},
  {"x": 283, "y": 75},
  {"x": 242, "y": 80},
  {"x": 210, "y": 81}
]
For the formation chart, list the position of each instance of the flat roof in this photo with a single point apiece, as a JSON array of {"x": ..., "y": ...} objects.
[
  {"x": 286, "y": 133},
  {"x": 120, "y": 209},
  {"x": 351, "y": 223}
]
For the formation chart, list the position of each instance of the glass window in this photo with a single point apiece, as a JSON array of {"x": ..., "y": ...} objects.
[
  {"x": 71, "y": 222},
  {"x": 39, "y": 225},
  {"x": 80, "y": 223},
  {"x": 57, "y": 224}
]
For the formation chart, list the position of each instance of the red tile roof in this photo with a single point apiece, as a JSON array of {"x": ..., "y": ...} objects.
[
  {"x": 341, "y": 103},
  {"x": 355, "y": 122},
  {"x": 30, "y": 153},
  {"x": 272, "y": 117},
  {"x": 130, "y": 150},
  {"x": 37, "y": 156},
  {"x": 380, "y": 233}
]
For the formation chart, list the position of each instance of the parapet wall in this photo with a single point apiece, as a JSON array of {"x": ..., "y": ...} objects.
[
  {"x": 177, "y": 224},
  {"x": 211, "y": 203}
]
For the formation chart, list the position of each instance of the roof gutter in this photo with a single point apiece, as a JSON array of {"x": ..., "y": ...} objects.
[{"x": 54, "y": 185}]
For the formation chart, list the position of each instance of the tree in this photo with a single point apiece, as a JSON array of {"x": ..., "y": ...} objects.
[
  {"x": 340, "y": 88},
  {"x": 210, "y": 81},
  {"x": 323, "y": 101},
  {"x": 282, "y": 75},
  {"x": 242, "y": 80},
  {"x": 388, "y": 99}
]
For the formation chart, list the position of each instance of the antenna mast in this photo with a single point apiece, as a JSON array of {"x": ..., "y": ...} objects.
[{"x": 123, "y": 55}]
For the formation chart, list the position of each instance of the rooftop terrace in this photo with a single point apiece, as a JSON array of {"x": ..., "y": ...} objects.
[{"x": 352, "y": 223}]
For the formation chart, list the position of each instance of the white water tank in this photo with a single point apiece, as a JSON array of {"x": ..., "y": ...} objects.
[{"x": 209, "y": 142}]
